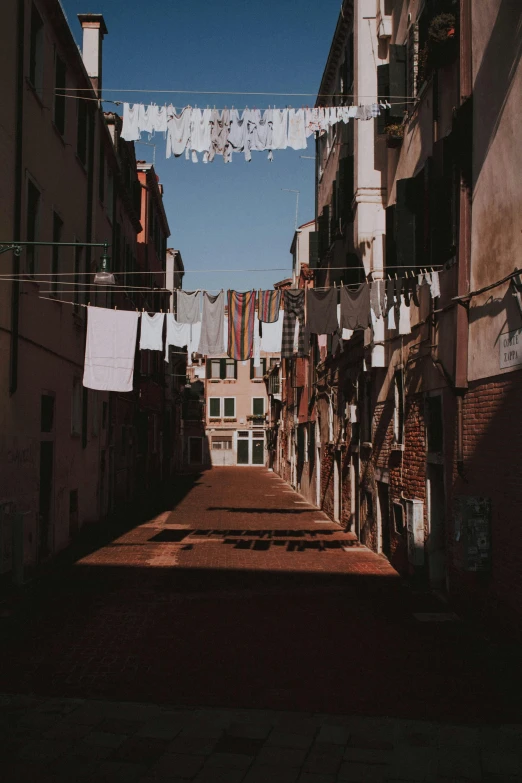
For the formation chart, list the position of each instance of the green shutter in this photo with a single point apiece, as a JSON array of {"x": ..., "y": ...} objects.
[
  {"x": 333, "y": 212},
  {"x": 383, "y": 90},
  {"x": 222, "y": 368},
  {"x": 214, "y": 407},
  {"x": 300, "y": 444},
  {"x": 209, "y": 369},
  {"x": 405, "y": 228},
  {"x": 345, "y": 189},
  {"x": 258, "y": 406},
  {"x": 313, "y": 249},
  {"x": 391, "y": 246},
  {"x": 398, "y": 80},
  {"x": 230, "y": 407},
  {"x": 252, "y": 370}
]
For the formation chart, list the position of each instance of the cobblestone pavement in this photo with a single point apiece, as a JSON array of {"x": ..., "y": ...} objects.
[
  {"x": 67, "y": 740},
  {"x": 241, "y": 595}
]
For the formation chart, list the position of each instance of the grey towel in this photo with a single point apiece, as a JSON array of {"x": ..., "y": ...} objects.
[
  {"x": 390, "y": 295},
  {"x": 321, "y": 315},
  {"x": 212, "y": 340},
  {"x": 188, "y": 307},
  {"x": 355, "y": 307}
]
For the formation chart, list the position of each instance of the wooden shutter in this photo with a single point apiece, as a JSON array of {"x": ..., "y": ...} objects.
[
  {"x": 313, "y": 249},
  {"x": 258, "y": 406},
  {"x": 333, "y": 212},
  {"x": 222, "y": 368},
  {"x": 398, "y": 83},
  {"x": 345, "y": 189},
  {"x": 391, "y": 247},
  {"x": 229, "y": 407},
  {"x": 405, "y": 210},
  {"x": 383, "y": 90},
  {"x": 300, "y": 444},
  {"x": 214, "y": 407},
  {"x": 252, "y": 369},
  {"x": 421, "y": 218}
]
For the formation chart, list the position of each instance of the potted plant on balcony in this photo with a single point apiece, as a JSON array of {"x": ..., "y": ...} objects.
[
  {"x": 442, "y": 39},
  {"x": 394, "y": 134}
]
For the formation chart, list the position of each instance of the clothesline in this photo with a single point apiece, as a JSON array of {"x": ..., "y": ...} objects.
[{"x": 337, "y": 95}]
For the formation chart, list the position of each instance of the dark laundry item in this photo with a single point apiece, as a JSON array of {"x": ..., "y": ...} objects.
[
  {"x": 355, "y": 307},
  {"x": 377, "y": 298},
  {"x": 390, "y": 295},
  {"x": 321, "y": 311},
  {"x": 411, "y": 291},
  {"x": 294, "y": 300}
]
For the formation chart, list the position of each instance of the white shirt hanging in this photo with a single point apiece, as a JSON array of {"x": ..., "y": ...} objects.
[
  {"x": 145, "y": 119},
  {"x": 296, "y": 129},
  {"x": 404, "y": 318},
  {"x": 177, "y": 334},
  {"x": 130, "y": 129},
  {"x": 178, "y": 132},
  {"x": 151, "y": 337}
]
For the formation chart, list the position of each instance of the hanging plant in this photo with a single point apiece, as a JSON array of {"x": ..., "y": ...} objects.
[
  {"x": 442, "y": 40},
  {"x": 394, "y": 134}
]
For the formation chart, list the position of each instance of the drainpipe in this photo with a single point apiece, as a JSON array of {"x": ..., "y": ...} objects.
[{"x": 18, "y": 187}]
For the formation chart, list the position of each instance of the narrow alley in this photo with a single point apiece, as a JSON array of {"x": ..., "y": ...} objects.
[{"x": 243, "y": 595}]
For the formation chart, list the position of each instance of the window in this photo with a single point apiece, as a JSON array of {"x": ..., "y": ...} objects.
[
  {"x": 59, "y": 94},
  {"x": 36, "y": 51},
  {"x": 33, "y": 209},
  {"x": 258, "y": 406},
  {"x": 257, "y": 372},
  {"x": 76, "y": 407},
  {"x": 398, "y": 410},
  {"x": 55, "y": 252},
  {"x": 214, "y": 407},
  {"x": 229, "y": 406},
  {"x": 221, "y": 442},
  {"x": 101, "y": 175},
  {"x": 221, "y": 369},
  {"x": 46, "y": 413},
  {"x": 81, "y": 131}
]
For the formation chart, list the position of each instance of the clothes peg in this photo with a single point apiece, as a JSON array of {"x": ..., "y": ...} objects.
[
  {"x": 161, "y": 311},
  {"x": 142, "y": 309},
  {"x": 115, "y": 307},
  {"x": 88, "y": 304}
]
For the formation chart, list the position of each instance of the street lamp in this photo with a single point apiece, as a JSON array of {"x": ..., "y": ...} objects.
[{"x": 103, "y": 275}]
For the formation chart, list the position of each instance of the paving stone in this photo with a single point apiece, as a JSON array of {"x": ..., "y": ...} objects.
[
  {"x": 20, "y": 771},
  {"x": 119, "y": 772},
  {"x": 67, "y": 730},
  {"x": 203, "y": 729},
  {"x": 219, "y": 775},
  {"x": 177, "y": 765},
  {"x": 497, "y": 739},
  {"x": 413, "y": 763},
  {"x": 282, "y": 757},
  {"x": 460, "y": 736},
  {"x": 249, "y": 730},
  {"x": 368, "y": 755},
  {"x": 194, "y": 746},
  {"x": 501, "y": 763},
  {"x": 362, "y": 773},
  {"x": 268, "y": 773},
  {"x": 89, "y": 713},
  {"x": 283, "y": 739},
  {"x": 161, "y": 728},
  {"x": 141, "y": 750},
  {"x": 463, "y": 762},
  {"x": 297, "y": 725},
  {"x": 244, "y": 745},
  {"x": 105, "y": 739},
  {"x": 60, "y": 706},
  {"x": 324, "y": 758},
  {"x": 337, "y": 735},
  {"x": 312, "y": 777},
  {"x": 37, "y": 720},
  {"x": 229, "y": 760},
  {"x": 112, "y": 725},
  {"x": 43, "y": 750}
]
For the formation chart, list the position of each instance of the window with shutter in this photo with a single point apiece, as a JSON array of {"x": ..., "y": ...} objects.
[
  {"x": 229, "y": 407},
  {"x": 391, "y": 247},
  {"x": 222, "y": 368},
  {"x": 258, "y": 406},
  {"x": 231, "y": 368},
  {"x": 214, "y": 407},
  {"x": 405, "y": 231},
  {"x": 398, "y": 85},
  {"x": 214, "y": 368},
  {"x": 301, "y": 444},
  {"x": 333, "y": 212},
  {"x": 313, "y": 249}
]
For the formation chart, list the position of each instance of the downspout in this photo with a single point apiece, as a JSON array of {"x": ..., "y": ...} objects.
[
  {"x": 464, "y": 246},
  {"x": 88, "y": 238},
  {"x": 18, "y": 187}
]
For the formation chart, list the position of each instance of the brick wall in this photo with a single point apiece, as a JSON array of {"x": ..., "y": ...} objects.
[{"x": 493, "y": 468}]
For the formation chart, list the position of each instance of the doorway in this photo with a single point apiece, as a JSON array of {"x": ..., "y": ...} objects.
[
  {"x": 384, "y": 512},
  {"x": 436, "y": 543},
  {"x": 337, "y": 488},
  {"x": 195, "y": 451},
  {"x": 258, "y": 448},
  {"x": 251, "y": 447}
]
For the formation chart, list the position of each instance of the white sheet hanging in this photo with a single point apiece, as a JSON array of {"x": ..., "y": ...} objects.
[{"x": 110, "y": 349}]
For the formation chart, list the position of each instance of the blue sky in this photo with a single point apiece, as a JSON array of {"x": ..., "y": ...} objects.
[{"x": 222, "y": 216}]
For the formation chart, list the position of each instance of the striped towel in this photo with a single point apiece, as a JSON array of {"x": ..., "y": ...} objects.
[
  {"x": 241, "y": 314},
  {"x": 268, "y": 306}
]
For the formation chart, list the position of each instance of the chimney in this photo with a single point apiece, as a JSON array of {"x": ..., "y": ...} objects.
[{"x": 93, "y": 26}]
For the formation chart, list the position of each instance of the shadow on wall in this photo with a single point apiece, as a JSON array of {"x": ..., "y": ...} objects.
[{"x": 495, "y": 78}]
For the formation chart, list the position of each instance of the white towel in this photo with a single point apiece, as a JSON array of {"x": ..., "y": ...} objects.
[
  {"x": 404, "y": 318},
  {"x": 110, "y": 349},
  {"x": 434, "y": 285},
  {"x": 177, "y": 334},
  {"x": 151, "y": 337},
  {"x": 272, "y": 336}
]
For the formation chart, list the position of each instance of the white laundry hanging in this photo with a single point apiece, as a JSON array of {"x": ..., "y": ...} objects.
[{"x": 151, "y": 337}]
